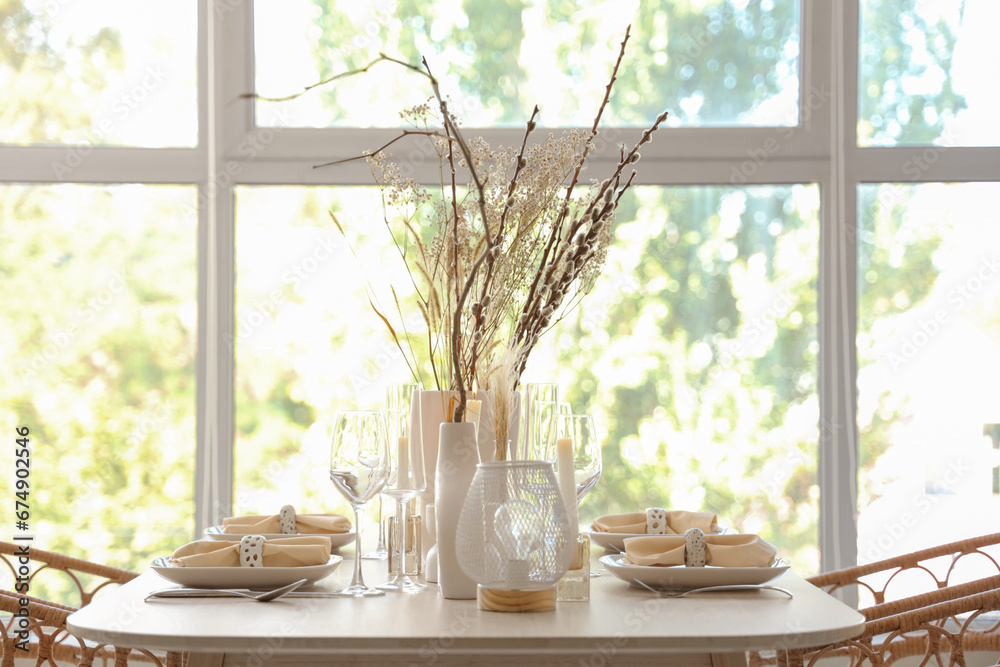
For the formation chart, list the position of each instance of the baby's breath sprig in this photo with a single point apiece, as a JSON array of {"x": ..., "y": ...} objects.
[{"x": 507, "y": 258}]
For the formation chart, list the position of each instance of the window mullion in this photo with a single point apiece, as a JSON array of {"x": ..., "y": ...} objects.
[
  {"x": 214, "y": 465},
  {"x": 838, "y": 310}
]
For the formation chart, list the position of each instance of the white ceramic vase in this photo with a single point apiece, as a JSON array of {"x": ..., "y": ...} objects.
[
  {"x": 432, "y": 406},
  {"x": 458, "y": 456}
]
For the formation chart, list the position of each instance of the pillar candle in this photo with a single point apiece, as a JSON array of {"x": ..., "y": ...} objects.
[
  {"x": 472, "y": 411},
  {"x": 567, "y": 479}
]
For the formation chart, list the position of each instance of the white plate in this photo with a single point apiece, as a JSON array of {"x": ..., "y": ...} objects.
[
  {"x": 616, "y": 541},
  {"x": 690, "y": 577},
  {"x": 242, "y": 577},
  {"x": 337, "y": 540}
]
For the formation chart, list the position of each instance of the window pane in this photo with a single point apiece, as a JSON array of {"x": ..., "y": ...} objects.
[
  {"x": 928, "y": 358},
  {"x": 696, "y": 351},
  {"x": 926, "y": 73},
  {"x": 715, "y": 62},
  {"x": 113, "y": 72},
  {"x": 97, "y": 339}
]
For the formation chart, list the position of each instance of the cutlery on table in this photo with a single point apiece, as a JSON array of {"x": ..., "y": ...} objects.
[
  {"x": 704, "y": 589},
  {"x": 266, "y": 596}
]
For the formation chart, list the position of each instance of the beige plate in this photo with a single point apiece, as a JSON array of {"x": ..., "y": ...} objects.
[
  {"x": 243, "y": 577},
  {"x": 691, "y": 577}
]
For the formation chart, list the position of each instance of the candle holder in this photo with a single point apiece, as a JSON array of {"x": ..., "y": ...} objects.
[
  {"x": 575, "y": 584},
  {"x": 410, "y": 483},
  {"x": 514, "y": 536},
  {"x": 412, "y": 560}
]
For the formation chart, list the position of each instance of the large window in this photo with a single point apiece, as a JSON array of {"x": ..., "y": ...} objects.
[{"x": 795, "y": 328}]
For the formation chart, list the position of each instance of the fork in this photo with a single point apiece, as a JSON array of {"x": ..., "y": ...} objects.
[
  {"x": 266, "y": 596},
  {"x": 724, "y": 587}
]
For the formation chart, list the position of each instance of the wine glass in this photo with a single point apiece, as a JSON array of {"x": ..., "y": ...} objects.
[
  {"x": 587, "y": 464},
  {"x": 410, "y": 483},
  {"x": 359, "y": 469},
  {"x": 539, "y": 398},
  {"x": 397, "y": 397}
]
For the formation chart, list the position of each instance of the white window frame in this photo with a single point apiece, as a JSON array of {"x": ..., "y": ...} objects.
[{"x": 821, "y": 149}]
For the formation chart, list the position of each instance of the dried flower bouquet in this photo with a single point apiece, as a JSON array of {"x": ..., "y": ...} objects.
[{"x": 497, "y": 261}]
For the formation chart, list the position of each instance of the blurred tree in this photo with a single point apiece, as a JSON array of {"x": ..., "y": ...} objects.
[
  {"x": 906, "y": 91},
  {"x": 99, "y": 321}
]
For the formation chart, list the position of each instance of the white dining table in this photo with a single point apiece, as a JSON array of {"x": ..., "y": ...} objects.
[{"x": 621, "y": 624}]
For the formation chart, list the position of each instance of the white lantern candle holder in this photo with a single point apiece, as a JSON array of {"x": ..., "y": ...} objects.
[{"x": 513, "y": 536}]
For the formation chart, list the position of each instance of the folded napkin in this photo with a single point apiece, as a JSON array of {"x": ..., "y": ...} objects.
[
  {"x": 721, "y": 550},
  {"x": 264, "y": 524},
  {"x": 635, "y": 522},
  {"x": 279, "y": 552}
]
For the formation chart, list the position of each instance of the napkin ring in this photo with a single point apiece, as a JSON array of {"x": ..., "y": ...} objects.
[
  {"x": 656, "y": 521},
  {"x": 252, "y": 551},
  {"x": 286, "y": 517},
  {"x": 694, "y": 547}
]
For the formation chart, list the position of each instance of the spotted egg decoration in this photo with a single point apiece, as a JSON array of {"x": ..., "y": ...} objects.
[
  {"x": 286, "y": 518},
  {"x": 695, "y": 551},
  {"x": 252, "y": 551},
  {"x": 656, "y": 521}
]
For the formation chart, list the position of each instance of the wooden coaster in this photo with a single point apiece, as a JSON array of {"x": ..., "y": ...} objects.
[{"x": 515, "y": 600}]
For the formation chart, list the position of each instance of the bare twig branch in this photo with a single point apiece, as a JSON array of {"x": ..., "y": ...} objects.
[{"x": 319, "y": 84}]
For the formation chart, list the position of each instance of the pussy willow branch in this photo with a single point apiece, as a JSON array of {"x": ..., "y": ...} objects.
[
  {"x": 556, "y": 232},
  {"x": 454, "y": 200},
  {"x": 530, "y": 329},
  {"x": 600, "y": 112}
]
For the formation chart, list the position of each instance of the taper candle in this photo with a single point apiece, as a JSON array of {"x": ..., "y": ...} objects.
[
  {"x": 403, "y": 463},
  {"x": 567, "y": 479}
]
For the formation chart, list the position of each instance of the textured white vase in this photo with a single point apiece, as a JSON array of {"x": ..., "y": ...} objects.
[{"x": 458, "y": 456}]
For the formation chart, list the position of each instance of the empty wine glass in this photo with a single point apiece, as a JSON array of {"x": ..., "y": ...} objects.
[
  {"x": 410, "y": 483},
  {"x": 587, "y": 464},
  {"x": 397, "y": 397},
  {"x": 539, "y": 400},
  {"x": 359, "y": 469}
]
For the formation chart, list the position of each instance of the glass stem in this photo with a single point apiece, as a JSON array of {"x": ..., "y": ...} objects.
[
  {"x": 358, "y": 579},
  {"x": 381, "y": 527}
]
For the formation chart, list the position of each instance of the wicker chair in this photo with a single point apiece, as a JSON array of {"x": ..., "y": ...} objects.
[
  {"x": 51, "y": 643},
  {"x": 939, "y": 626}
]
